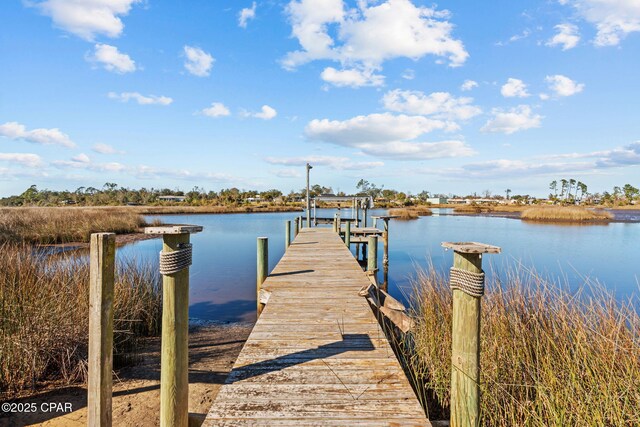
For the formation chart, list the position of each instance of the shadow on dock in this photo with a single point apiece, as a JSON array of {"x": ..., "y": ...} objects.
[{"x": 350, "y": 342}]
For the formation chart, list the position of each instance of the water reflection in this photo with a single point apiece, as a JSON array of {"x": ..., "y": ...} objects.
[{"x": 223, "y": 273}]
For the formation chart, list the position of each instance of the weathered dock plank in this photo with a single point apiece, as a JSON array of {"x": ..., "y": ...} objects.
[{"x": 317, "y": 355}]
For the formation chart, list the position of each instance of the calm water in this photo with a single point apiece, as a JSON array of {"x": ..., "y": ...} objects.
[{"x": 223, "y": 273}]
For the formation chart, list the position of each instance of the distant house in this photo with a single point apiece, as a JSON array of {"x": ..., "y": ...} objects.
[
  {"x": 253, "y": 199},
  {"x": 437, "y": 200},
  {"x": 172, "y": 198}
]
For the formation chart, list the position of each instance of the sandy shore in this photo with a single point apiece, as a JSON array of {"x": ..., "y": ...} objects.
[{"x": 136, "y": 390}]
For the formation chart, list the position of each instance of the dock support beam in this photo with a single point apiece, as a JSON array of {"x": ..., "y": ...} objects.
[
  {"x": 347, "y": 234},
  {"x": 263, "y": 268},
  {"x": 287, "y": 234},
  {"x": 174, "y": 381},
  {"x": 467, "y": 283},
  {"x": 295, "y": 228},
  {"x": 102, "y": 269},
  {"x": 372, "y": 254}
]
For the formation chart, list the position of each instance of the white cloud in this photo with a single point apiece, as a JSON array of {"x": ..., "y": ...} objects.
[
  {"x": 468, "y": 85},
  {"x": 141, "y": 99},
  {"x": 352, "y": 77},
  {"x": 217, "y": 109},
  {"x": 198, "y": 61},
  {"x": 563, "y": 163},
  {"x": 513, "y": 120},
  {"x": 563, "y": 86},
  {"x": 614, "y": 19},
  {"x": 408, "y": 74},
  {"x": 15, "y": 130},
  {"x": 87, "y": 18},
  {"x": 246, "y": 14},
  {"x": 112, "y": 59},
  {"x": 105, "y": 149},
  {"x": 336, "y": 163},
  {"x": 514, "y": 88},
  {"x": 567, "y": 36},
  {"x": 266, "y": 113},
  {"x": 388, "y": 135},
  {"x": 24, "y": 159},
  {"x": 82, "y": 161},
  {"x": 374, "y": 128},
  {"x": 370, "y": 34},
  {"x": 287, "y": 173},
  {"x": 440, "y": 105}
]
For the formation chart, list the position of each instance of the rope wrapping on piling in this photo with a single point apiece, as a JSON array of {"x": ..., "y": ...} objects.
[
  {"x": 466, "y": 281},
  {"x": 178, "y": 260}
]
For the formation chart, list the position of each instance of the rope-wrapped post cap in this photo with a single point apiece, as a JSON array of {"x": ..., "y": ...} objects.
[
  {"x": 471, "y": 247},
  {"x": 173, "y": 229}
]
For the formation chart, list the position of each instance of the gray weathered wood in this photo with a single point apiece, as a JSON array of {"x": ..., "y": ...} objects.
[
  {"x": 101, "y": 282},
  {"x": 287, "y": 234},
  {"x": 313, "y": 359},
  {"x": 173, "y": 229},
  {"x": 174, "y": 382},
  {"x": 262, "y": 268}
]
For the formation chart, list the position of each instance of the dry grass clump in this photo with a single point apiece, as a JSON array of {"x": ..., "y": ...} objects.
[
  {"x": 63, "y": 225},
  {"x": 549, "y": 357},
  {"x": 404, "y": 214},
  {"x": 565, "y": 213},
  {"x": 471, "y": 209},
  {"x": 422, "y": 211},
  {"x": 44, "y": 311}
]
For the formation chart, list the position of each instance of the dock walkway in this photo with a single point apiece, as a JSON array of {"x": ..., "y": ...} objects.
[{"x": 317, "y": 355}]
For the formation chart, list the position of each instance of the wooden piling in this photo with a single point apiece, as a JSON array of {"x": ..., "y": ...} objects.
[
  {"x": 372, "y": 254},
  {"x": 465, "y": 346},
  {"x": 347, "y": 234},
  {"x": 102, "y": 269},
  {"x": 174, "y": 381},
  {"x": 174, "y": 359},
  {"x": 287, "y": 234},
  {"x": 296, "y": 229},
  {"x": 263, "y": 268}
]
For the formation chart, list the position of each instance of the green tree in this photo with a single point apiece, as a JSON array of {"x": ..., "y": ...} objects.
[{"x": 630, "y": 192}]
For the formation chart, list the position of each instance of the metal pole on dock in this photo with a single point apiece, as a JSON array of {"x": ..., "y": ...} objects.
[
  {"x": 263, "y": 268},
  {"x": 102, "y": 273},
  {"x": 175, "y": 260},
  {"x": 467, "y": 283},
  {"x": 287, "y": 234}
]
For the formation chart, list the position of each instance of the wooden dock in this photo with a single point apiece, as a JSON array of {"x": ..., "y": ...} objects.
[{"x": 317, "y": 355}]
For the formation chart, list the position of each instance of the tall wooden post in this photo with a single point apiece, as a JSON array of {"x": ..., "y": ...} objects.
[
  {"x": 296, "y": 228},
  {"x": 287, "y": 234},
  {"x": 347, "y": 234},
  {"x": 174, "y": 359},
  {"x": 309, "y": 167},
  {"x": 372, "y": 254},
  {"x": 263, "y": 268},
  {"x": 102, "y": 272},
  {"x": 465, "y": 346}
]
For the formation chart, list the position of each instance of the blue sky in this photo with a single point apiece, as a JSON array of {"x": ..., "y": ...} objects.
[{"x": 456, "y": 97}]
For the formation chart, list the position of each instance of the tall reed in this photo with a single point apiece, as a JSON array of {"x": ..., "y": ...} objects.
[
  {"x": 44, "y": 315},
  {"x": 549, "y": 357},
  {"x": 565, "y": 213},
  {"x": 63, "y": 225}
]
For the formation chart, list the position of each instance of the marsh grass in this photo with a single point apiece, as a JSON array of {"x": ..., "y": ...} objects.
[
  {"x": 549, "y": 357},
  {"x": 44, "y": 307},
  {"x": 565, "y": 213},
  {"x": 64, "y": 225},
  {"x": 410, "y": 213}
]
